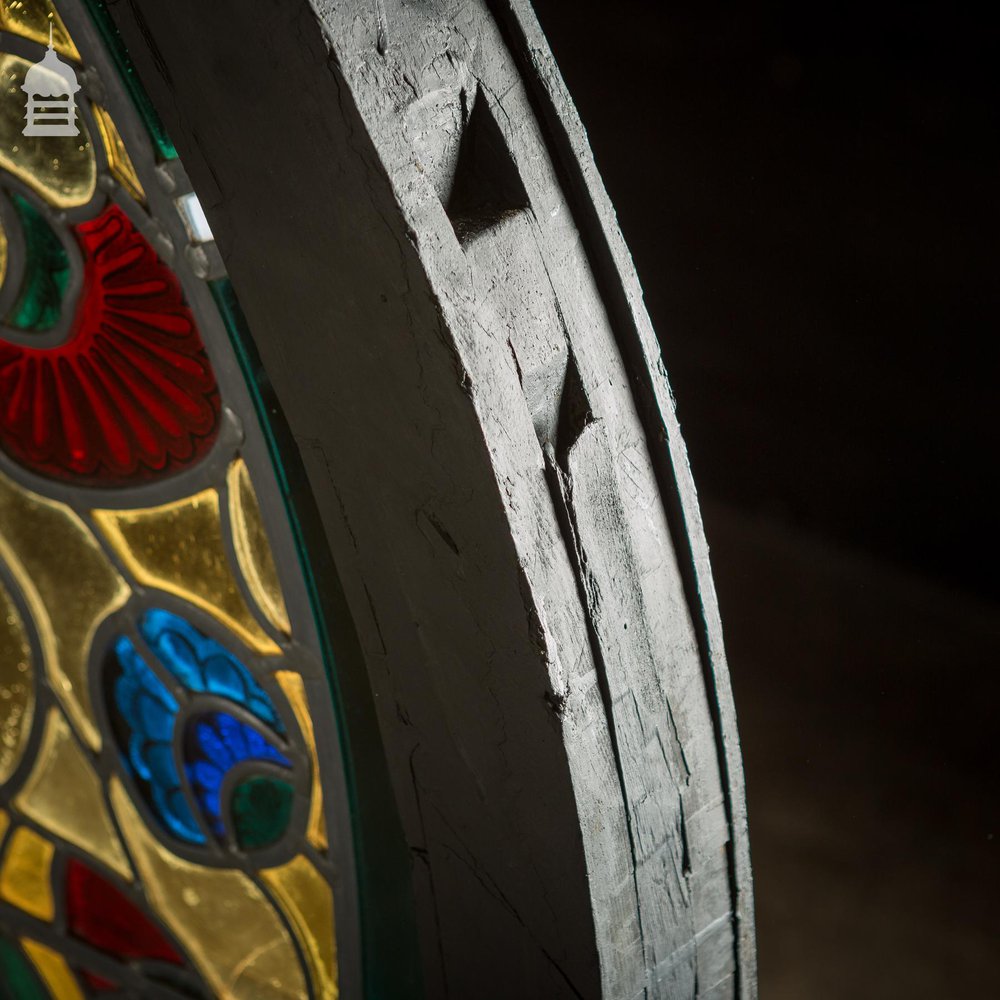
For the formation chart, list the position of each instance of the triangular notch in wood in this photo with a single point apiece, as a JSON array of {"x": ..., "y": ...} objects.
[
  {"x": 487, "y": 186},
  {"x": 575, "y": 414}
]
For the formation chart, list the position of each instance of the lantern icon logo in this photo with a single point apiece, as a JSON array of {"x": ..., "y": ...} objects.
[{"x": 51, "y": 86}]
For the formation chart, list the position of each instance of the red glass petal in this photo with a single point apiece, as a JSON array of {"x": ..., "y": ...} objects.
[
  {"x": 100, "y": 915},
  {"x": 130, "y": 395},
  {"x": 98, "y": 983}
]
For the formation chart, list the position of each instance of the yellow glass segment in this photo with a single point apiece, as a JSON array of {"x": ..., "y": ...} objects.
[
  {"x": 64, "y": 795},
  {"x": 178, "y": 548},
  {"x": 26, "y": 874},
  {"x": 31, "y": 19},
  {"x": 306, "y": 899},
  {"x": 70, "y": 588},
  {"x": 253, "y": 550},
  {"x": 119, "y": 162},
  {"x": 17, "y": 687},
  {"x": 54, "y": 971},
  {"x": 222, "y": 919},
  {"x": 62, "y": 169},
  {"x": 4, "y": 823},
  {"x": 295, "y": 691},
  {"x": 3, "y": 254}
]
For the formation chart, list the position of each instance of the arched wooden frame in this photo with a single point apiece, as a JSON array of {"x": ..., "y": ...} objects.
[{"x": 452, "y": 328}]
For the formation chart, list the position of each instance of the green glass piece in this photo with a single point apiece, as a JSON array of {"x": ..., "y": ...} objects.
[
  {"x": 126, "y": 70},
  {"x": 46, "y": 272},
  {"x": 17, "y": 980},
  {"x": 262, "y": 810}
]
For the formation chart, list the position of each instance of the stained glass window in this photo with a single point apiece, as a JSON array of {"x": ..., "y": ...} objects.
[{"x": 163, "y": 811}]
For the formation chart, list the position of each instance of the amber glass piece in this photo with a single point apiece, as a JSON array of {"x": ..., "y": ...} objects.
[
  {"x": 64, "y": 795},
  {"x": 119, "y": 162},
  {"x": 17, "y": 687},
  {"x": 53, "y": 970},
  {"x": 306, "y": 899},
  {"x": 60, "y": 169},
  {"x": 4, "y": 823},
  {"x": 295, "y": 691},
  {"x": 253, "y": 550},
  {"x": 32, "y": 18},
  {"x": 70, "y": 588},
  {"x": 220, "y": 917},
  {"x": 179, "y": 548},
  {"x": 26, "y": 874},
  {"x": 3, "y": 254}
]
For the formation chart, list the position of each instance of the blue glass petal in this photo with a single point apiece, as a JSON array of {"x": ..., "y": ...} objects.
[
  {"x": 138, "y": 677},
  {"x": 223, "y": 678},
  {"x": 213, "y": 747},
  {"x": 265, "y": 710},
  {"x": 232, "y": 732},
  {"x": 159, "y": 761},
  {"x": 256, "y": 744},
  {"x": 152, "y": 718},
  {"x": 201, "y": 664},
  {"x": 179, "y": 656},
  {"x": 176, "y": 814},
  {"x": 207, "y": 775},
  {"x": 259, "y": 748},
  {"x": 150, "y": 712},
  {"x": 137, "y": 744},
  {"x": 211, "y": 806},
  {"x": 224, "y": 741}
]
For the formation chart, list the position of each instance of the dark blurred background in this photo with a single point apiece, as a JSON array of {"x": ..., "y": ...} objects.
[{"x": 810, "y": 195}]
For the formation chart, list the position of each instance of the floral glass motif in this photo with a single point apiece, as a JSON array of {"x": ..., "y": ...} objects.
[{"x": 162, "y": 819}]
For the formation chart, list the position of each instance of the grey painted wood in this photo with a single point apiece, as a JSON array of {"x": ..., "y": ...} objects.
[
  {"x": 434, "y": 279},
  {"x": 611, "y": 259}
]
